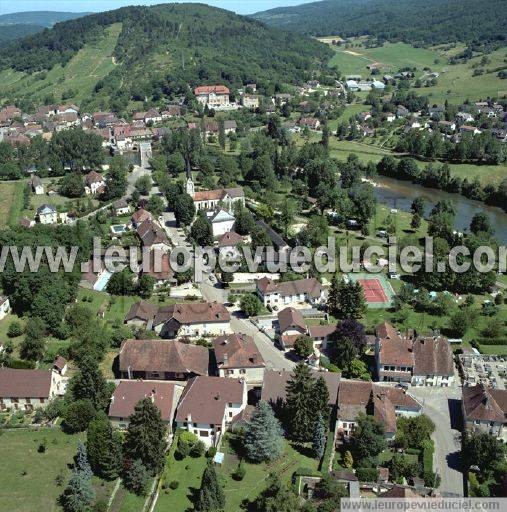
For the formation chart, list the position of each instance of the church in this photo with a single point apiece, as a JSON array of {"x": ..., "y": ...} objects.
[{"x": 222, "y": 198}]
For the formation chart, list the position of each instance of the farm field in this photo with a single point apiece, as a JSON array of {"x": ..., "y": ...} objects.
[
  {"x": 11, "y": 203},
  {"x": 27, "y": 477},
  {"x": 456, "y": 82},
  {"x": 77, "y": 79}
]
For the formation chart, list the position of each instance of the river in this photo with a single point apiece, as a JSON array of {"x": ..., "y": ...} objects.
[{"x": 400, "y": 194}]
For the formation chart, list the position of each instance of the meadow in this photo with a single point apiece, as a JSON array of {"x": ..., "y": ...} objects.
[
  {"x": 76, "y": 79},
  {"x": 456, "y": 82},
  {"x": 11, "y": 203}
]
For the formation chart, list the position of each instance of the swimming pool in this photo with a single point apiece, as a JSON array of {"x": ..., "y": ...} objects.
[
  {"x": 102, "y": 281},
  {"x": 118, "y": 229}
]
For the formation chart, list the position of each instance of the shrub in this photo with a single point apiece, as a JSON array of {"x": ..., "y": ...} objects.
[
  {"x": 198, "y": 449},
  {"x": 212, "y": 451},
  {"x": 15, "y": 329},
  {"x": 174, "y": 485},
  {"x": 367, "y": 474},
  {"x": 240, "y": 472},
  {"x": 428, "y": 449}
]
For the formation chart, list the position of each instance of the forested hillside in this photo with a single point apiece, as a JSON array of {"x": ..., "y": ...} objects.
[
  {"x": 163, "y": 48},
  {"x": 412, "y": 21}
]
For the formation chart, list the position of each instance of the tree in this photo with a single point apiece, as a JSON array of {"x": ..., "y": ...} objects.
[
  {"x": 482, "y": 450},
  {"x": 348, "y": 460},
  {"x": 211, "y": 496},
  {"x": 276, "y": 498},
  {"x": 347, "y": 342},
  {"x": 412, "y": 432},
  {"x": 116, "y": 179},
  {"x": 481, "y": 224},
  {"x": 418, "y": 206},
  {"x": 145, "y": 286},
  {"x": 15, "y": 329},
  {"x": 245, "y": 222},
  {"x": 135, "y": 478},
  {"x": 357, "y": 369},
  {"x": 201, "y": 231},
  {"x": 145, "y": 438},
  {"x": 89, "y": 384},
  {"x": 121, "y": 283},
  {"x": 319, "y": 399},
  {"x": 415, "y": 223},
  {"x": 250, "y": 304},
  {"x": 144, "y": 185},
  {"x": 32, "y": 347},
  {"x": 303, "y": 346},
  {"x": 319, "y": 437},
  {"x": 78, "y": 415},
  {"x": 369, "y": 437},
  {"x": 72, "y": 185},
  {"x": 103, "y": 446},
  {"x": 81, "y": 461},
  {"x": 346, "y": 300},
  {"x": 263, "y": 435},
  {"x": 155, "y": 205},
  {"x": 79, "y": 493},
  {"x": 184, "y": 209},
  {"x": 299, "y": 407}
]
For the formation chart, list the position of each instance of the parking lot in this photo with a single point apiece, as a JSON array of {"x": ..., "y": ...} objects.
[{"x": 483, "y": 369}]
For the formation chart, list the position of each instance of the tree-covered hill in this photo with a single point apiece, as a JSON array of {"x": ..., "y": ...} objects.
[
  {"x": 412, "y": 21},
  {"x": 163, "y": 48}
]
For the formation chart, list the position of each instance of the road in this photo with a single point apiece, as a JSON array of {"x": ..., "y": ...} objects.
[
  {"x": 443, "y": 407},
  {"x": 275, "y": 359}
]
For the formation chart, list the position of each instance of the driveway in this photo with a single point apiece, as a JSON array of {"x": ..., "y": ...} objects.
[
  {"x": 275, "y": 359},
  {"x": 442, "y": 405}
]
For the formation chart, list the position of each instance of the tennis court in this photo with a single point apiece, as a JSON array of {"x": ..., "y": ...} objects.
[{"x": 378, "y": 292}]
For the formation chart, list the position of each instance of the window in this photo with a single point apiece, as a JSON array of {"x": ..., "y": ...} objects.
[
  {"x": 203, "y": 433},
  {"x": 229, "y": 404},
  {"x": 242, "y": 371}
]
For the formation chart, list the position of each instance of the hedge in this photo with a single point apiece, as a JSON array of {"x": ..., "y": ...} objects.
[
  {"x": 491, "y": 341},
  {"x": 324, "y": 463},
  {"x": 367, "y": 474},
  {"x": 428, "y": 449},
  {"x": 413, "y": 451}
]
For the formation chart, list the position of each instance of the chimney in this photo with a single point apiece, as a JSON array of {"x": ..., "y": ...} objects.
[
  {"x": 112, "y": 399},
  {"x": 217, "y": 396},
  {"x": 152, "y": 396}
]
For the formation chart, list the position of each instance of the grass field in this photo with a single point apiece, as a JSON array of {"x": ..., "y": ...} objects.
[
  {"x": 456, "y": 82},
  {"x": 78, "y": 77},
  {"x": 27, "y": 477},
  {"x": 11, "y": 203},
  {"x": 188, "y": 473}
]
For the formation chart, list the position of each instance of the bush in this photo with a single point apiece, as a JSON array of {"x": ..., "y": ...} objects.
[
  {"x": 212, "y": 451},
  {"x": 367, "y": 474},
  {"x": 428, "y": 449},
  {"x": 197, "y": 450},
  {"x": 174, "y": 485},
  {"x": 21, "y": 364},
  {"x": 240, "y": 473},
  {"x": 15, "y": 329}
]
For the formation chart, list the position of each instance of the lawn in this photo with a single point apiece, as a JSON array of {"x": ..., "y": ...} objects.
[
  {"x": 11, "y": 204},
  {"x": 188, "y": 473},
  {"x": 77, "y": 78},
  {"x": 27, "y": 477},
  {"x": 456, "y": 82}
]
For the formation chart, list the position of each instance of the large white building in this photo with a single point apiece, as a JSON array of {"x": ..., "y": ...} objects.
[{"x": 214, "y": 96}]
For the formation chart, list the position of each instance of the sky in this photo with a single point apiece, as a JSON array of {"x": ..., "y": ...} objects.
[{"x": 239, "y": 6}]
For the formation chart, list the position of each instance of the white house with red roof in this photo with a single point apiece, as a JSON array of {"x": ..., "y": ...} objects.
[
  {"x": 94, "y": 183},
  {"x": 213, "y": 95}
]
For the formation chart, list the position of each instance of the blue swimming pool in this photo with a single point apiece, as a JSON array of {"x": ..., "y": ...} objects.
[{"x": 102, "y": 281}]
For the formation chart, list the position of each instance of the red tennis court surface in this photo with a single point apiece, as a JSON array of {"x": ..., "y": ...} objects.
[{"x": 373, "y": 290}]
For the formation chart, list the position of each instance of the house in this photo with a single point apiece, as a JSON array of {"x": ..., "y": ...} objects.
[
  {"x": 421, "y": 361},
  {"x": 67, "y": 109},
  {"x": 321, "y": 335},
  {"x": 193, "y": 320},
  {"x": 47, "y": 214},
  {"x": 26, "y": 222},
  {"x": 447, "y": 126},
  {"x": 159, "y": 268},
  {"x": 153, "y": 236},
  {"x": 121, "y": 207},
  {"x": 390, "y": 117},
  {"x": 228, "y": 244},
  {"x": 312, "y": 123},
  {"x": 352, "y": 85},
  {"x": 140, "y": 216},
  {"x": 211, "y": 199},
  {"x": 291, "y": 326},
  {"x": 8, "y": 114},
  {"x": 485, "y": 410},
  {"x": 209, "y": 405},
  {"x": 237, "y": 355},
  {"x": 274, "y": 387},
  {"x": 172, "y": 111},
  {"x": 302, "y": 290},
  {"x": 469, "y": 129},
  {"x": 94, "y": 183},
  {"x": 60, "y": 365},
  {"x": 436, "y": 111},
  {"x": 213, "y": 96},
  {"x": 152, "y": 116},
  {"x": 162, "y": 360},
  {"x": 399, "y": 491},
  {"x": 465, "y": 117},
  {"x": 402, "y": 111},
  {"x": 364, "y": 116},
  {"x": 221, "y": 222},
  {"x": 25, "y": 390},
  {"x": 5, "y": 306},
  {"x": 36, "y": 185},
  {"x": 128, "y": 394},
  {"x": 282, "y": 98},
  {"x": 141, "y": 314},
  {"x": 384, "y": 403},
  {"x": 250, "y": 100},
  {"x": 376, "y": 84}
]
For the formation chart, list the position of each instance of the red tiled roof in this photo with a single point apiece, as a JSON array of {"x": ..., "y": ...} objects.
[
  {"x": 163, "y": 356},
  {"x": 24, "y": 383},
  {"x": 321, "y": 331},
  {"x": 291, "y": 318},
  {"x": 200, "y": 312},
  {"x": 140, "y": 216},
  {"x": 237, "y": 351},
  {"x": 129, "y": 393},
  {"x": 218, "y": 194},
  {"x": 142, "y": 310},
  {"x": 209, "y": 89},
  {"x": 231, "y": 238},
  {"x": 309, "y": 286},
  {"x": 485, "y": 404},
  {"x": 204, "y": 399},
  {"x": 433, "y": 356}
]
